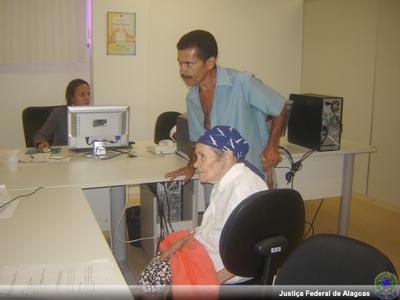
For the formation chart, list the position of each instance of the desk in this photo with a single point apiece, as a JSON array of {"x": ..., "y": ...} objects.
[
  {"x": 84, "y": 172},
  {"x": 53, "y": 227},
  {"x": 324, "y": 174}
]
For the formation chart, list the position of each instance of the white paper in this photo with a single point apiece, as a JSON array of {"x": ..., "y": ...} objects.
[{"x": 33, "y": 281}]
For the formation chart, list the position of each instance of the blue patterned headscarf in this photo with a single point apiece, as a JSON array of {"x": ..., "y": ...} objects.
[{"x": 225, "y": 138}]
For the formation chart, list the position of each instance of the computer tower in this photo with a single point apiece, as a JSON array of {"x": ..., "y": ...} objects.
[{"x": 316, "y": 121}]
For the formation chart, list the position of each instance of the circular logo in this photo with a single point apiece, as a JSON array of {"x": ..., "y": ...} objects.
[{"x": 386, "y": 285}]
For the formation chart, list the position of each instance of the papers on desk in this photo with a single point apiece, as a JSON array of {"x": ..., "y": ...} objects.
[
  {"x": 59, "y": 154},
  {"x": 34, "y": 158},
  {"x": 77, "y": 280}
]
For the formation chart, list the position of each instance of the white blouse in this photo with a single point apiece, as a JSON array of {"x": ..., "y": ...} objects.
[{"x": 237, "y": 184}]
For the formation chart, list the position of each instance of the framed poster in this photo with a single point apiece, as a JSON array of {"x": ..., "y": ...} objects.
[{"x": 121, "y": 33}]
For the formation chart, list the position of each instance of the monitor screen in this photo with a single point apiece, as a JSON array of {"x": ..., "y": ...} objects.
[{"x": 98, "y": 123}]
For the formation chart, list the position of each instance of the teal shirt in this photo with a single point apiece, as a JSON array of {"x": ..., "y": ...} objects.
[{"x": 242, "y": 101}]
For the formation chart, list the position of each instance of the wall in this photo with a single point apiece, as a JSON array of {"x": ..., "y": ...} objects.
[
  {"x": 23, "y": 86},
  {"x": 261, "y": 36},
  {"x": 385, "y": 163},
  {"x": 351, "y": 49},
  {"x": 264, "y": 37},
  {"x": 123, "y": 79}
]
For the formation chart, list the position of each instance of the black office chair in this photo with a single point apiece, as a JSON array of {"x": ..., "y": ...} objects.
[
  {"x": 261, "y": 232},
  {"x": 330, "y": 259},
  {"x": 164, "y": 124},
  {"x": 33, "y": 117}
]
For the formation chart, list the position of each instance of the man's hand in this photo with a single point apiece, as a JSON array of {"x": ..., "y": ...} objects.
[
  {"x": 270, "y": 158},
  {"x": 187, "y": 172}
]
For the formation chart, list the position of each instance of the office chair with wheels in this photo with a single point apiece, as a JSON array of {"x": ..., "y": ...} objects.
[
  {"x": 164, "y": 124},
  {"x": 330, "y": 259},
  {"x": 261, "y": 232},
  {"x": 33, "y": 117}
]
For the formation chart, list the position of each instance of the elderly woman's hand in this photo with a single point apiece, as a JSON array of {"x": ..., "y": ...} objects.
[{"x": 179, "y": 243}]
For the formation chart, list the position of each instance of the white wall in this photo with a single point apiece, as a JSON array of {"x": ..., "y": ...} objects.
[
  {"x": 338, "y": 60},
  {"x": 261, "y": 36},
  {"x": 23, "y": 86},
  {"x": 351, "y": 49},
  {"x": 385, "y": 163}
]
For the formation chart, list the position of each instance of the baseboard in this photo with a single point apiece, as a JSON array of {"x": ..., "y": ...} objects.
[{"x": 373, "y": 201}]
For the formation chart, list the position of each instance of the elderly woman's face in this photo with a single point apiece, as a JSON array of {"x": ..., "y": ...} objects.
[{"x": 209, "y": 165}]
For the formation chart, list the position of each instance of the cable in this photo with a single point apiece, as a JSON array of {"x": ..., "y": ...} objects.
[
  {"x": 126, "y": 152},
  {"x": 20, "y": 196},
  {"x": 311, "y": 226},
  {"x": 64, "y": 157},
  {"x": 313, "y": 220},
  {"x": 294, "y": 166},
  {"x": 119, "y": 225},
  {"x": 109, "y": 157},
  {"x": 117, "y": 139},
  {"x": 168, "y": 207}
]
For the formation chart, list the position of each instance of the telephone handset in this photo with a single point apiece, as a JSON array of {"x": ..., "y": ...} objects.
[
  {"x": 163, "y": 147},
  {"x": 166, "y": 143}
]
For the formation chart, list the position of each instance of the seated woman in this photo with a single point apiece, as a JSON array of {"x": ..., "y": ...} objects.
[
  {"x": 56, "y": 126},
  {"x": 220, "y": 155}
]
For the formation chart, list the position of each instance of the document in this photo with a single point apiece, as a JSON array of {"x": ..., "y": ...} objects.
[{"x": 58, "y": 281}]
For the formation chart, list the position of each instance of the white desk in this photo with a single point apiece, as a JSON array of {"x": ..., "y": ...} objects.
[
  {"x": 57, "y": 227},
  {"x": 324, "y": 174},
  {"x": 84, "y": 172}
]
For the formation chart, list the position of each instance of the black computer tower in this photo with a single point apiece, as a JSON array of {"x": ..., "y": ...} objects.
[{"x": 316, "y": 121}]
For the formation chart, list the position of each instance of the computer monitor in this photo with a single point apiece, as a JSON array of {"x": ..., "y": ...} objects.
[
  {"x": 98, "y": 123},
  {"x": 184, "y": 147}
]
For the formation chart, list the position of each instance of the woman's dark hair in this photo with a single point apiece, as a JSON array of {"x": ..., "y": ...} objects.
[
  {"x": 71, "y": 87},
  {"x": 201, "y": 40}
]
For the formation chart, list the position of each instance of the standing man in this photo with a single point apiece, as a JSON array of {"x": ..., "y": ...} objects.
[{"x": 222, "y": 96}]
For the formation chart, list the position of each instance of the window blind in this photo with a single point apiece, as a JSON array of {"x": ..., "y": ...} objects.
[{"x": 43, "y": 31}]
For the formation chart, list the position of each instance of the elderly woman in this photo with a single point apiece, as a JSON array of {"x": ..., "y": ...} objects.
[{"x": 220, "y": 160}]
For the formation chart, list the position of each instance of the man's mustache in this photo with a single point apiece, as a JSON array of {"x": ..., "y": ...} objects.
[{"x": 186, "y": 76}]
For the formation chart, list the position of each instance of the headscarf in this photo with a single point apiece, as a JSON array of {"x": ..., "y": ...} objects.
[{"x": 225, "y": 138}]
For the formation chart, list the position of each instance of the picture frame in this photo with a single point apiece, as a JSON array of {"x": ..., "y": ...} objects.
[{"x": 121, "y": 33}]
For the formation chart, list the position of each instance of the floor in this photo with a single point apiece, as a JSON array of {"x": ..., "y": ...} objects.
[{"x": 369, "y": 222}]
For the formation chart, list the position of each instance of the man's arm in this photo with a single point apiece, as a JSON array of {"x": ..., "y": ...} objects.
[
  {"x": 187, "y": 171},
  {"x": 270, "y": 155}
]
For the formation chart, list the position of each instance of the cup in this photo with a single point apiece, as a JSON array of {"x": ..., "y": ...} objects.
[{"x": 12, "y": 163}]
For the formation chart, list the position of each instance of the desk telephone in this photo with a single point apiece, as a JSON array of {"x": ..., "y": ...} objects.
[{"x": 163, "y": 147}]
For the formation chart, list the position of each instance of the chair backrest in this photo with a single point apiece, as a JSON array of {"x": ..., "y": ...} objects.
[
  {"x": 164, "y": 124},
  {"x": 330, "y": 259},
  {"x": 263, "y": 215},
  {"x": 33, "y": 117}
]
